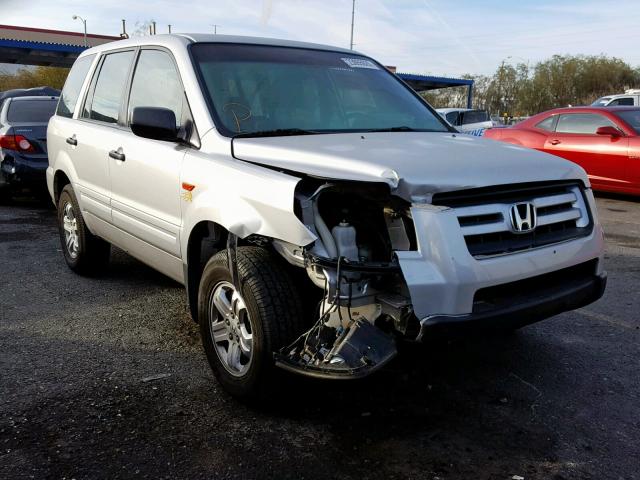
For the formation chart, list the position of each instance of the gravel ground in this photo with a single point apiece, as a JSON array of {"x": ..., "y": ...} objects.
[{"x": 105, "y": 378}]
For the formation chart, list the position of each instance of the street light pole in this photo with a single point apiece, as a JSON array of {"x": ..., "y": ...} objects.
[
  {"x": 84, "y": 23},
  {"x": 353, "y": 13}
]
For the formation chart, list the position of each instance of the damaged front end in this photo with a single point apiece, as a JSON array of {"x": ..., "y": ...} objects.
[{"x": 363, "y": 304}]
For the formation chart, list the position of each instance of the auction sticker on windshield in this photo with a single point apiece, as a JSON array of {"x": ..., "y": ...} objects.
[{"x": 360, "y": 63}]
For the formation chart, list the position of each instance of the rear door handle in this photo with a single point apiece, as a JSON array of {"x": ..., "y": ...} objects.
[
  {"x": 72, "y": 140},
  {"x": 555, "y": 141},
  {"x": 117, "y": 154}
]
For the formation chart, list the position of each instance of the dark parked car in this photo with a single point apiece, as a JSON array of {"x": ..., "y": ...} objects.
[
  {"x": 29, "y": 92},
  {"x": 23, "y": 142}
]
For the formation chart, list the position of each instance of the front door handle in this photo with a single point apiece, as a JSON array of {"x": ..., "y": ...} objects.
[
  {"x": 72, "y": 140},
  {"x": 555, "y": 141},
  {"x": 117, "y": 154}
]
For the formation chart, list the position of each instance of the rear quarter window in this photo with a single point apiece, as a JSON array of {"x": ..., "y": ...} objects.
[
  {"x": 546, "y": 124},
  {"x": 73, "y": 85}
]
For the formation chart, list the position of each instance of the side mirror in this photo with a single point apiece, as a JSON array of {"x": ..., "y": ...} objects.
[
  {"x": 154, "y": 122},
  {"x": 609, "y": 131}
]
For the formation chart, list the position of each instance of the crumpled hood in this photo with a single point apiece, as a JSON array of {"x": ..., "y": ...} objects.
[{"x": 414, "y": 164}]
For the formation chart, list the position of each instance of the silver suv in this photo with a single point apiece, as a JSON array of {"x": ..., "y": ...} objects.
[{"x": 316, "y": 209}]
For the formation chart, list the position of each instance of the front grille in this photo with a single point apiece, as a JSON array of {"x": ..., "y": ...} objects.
[
  {"x": 501, "y": 296},
  {"x": 484, "y": 216}
]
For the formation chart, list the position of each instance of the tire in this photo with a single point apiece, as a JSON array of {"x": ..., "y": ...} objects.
[
  {"x": 5, "y": 194},
  {"x": 272, "y": 316},
  {"x": 86, "y": 254}
]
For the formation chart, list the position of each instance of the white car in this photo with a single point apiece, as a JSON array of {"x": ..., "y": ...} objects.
[
  {"x": 315, "y": 208},
  {"x": 467, "y": 120},
  {"x": 630, "y": 97}
]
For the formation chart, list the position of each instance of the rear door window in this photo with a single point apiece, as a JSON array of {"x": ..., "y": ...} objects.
[
  {"x": 31, "y": 111},
  {"x": 108, "y": 92},
  {"x": 583, "y": 123},
  {"x": 73, "y": 85}
]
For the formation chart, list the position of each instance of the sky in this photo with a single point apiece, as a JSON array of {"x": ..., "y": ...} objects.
[{"x": 437, "y": 37}]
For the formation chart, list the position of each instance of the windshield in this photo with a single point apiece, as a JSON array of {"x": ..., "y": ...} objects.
[
  {"x": 631, "y": 117},
  {"x": 257, "y": 89},
  {"x": 31, "y": 111},
  {"x": 601, "y": 102}
]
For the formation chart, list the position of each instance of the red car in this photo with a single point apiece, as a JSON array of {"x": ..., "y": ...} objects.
[{"x": 605, "y": 141}]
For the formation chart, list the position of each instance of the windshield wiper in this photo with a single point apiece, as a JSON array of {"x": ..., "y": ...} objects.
[
  {"x": 279, "y": 132},
  {"x": 402, "y": 128}
]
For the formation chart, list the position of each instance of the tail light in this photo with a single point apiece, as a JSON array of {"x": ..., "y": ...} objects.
[{"x": 16, "y": 142}]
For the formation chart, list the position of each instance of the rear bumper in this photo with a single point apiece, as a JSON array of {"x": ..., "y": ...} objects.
[
  {"x": 521, "y": 310},
  {"x": 20, "y": 170}
]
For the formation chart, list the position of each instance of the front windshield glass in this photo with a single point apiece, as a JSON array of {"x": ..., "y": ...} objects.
[
  {"x": 259, "y": 89},
  {"x": 601, "y": 102},
  {"x": 631, "y": 117}
]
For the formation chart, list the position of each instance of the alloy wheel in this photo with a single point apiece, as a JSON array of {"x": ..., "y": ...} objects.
[{"x": 230, "y": 328}]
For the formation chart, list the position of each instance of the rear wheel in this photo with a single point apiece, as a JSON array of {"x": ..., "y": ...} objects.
[
  {"x": 242, "y": 327},
  {"x": 84, "y": 252}
]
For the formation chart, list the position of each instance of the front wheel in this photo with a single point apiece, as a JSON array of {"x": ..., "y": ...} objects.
[
  {"x": 84, "y": 252},
  {"x": 242, "y": 327}
]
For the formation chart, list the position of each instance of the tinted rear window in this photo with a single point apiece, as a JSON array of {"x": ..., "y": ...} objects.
[
  {"x": 622, "y": 101},
  {"x": 31, "y": 111},
  {"x": 475, "y": 116}
]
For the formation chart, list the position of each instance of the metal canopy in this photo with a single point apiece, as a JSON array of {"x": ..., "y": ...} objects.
[
  {"x": 37, "y": 46},
  {"x": 421, "y": 83}
]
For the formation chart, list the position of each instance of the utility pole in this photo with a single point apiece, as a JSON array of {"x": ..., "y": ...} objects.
[
  {"x": 124, "y": 29},
  {"x": 353, "y": 13},
  {"x": 215, "y": 28},
  {"x": 169, "y": 28}
]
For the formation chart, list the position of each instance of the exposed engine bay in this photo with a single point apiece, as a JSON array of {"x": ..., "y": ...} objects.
[{"x": 364, "y": 302}]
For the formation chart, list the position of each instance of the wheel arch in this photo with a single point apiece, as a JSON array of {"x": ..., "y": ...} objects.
[
  {"x": 206, "y": 238},
  {"x": 63, "y": 174},
  {"x": 60, "y": 180}
]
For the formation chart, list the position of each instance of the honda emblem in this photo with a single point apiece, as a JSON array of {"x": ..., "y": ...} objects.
[{"x": 523, "y": 217}]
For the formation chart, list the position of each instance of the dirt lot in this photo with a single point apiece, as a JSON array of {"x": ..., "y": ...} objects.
[{"x": 558, "y": 400}]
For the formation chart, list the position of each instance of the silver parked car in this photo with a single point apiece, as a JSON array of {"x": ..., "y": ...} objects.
[{"x": 316, "y": 209}]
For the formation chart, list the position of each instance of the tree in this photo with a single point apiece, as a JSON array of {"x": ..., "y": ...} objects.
[
  {"x": 38, "y": 77},
  {"x": 559, "y": 81}
]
